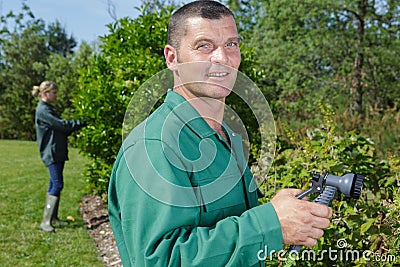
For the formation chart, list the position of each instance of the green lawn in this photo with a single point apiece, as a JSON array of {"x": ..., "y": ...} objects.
[{"x": 23, "y": 185}]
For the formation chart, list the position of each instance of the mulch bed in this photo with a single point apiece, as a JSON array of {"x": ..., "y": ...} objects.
[{"x": 95, "y": 217}]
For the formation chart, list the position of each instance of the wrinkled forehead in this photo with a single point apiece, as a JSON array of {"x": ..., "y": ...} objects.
[{"x": 195, "y": 25}]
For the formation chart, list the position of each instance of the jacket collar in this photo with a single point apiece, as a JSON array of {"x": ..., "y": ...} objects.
[{"x": 188, "y": 114}]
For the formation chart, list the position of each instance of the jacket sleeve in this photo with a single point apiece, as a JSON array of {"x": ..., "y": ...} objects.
[
  {"x": 53, "y": 121},
  {"x": 150, "y": 232}
]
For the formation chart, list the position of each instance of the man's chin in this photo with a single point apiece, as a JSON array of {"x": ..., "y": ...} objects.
[{"x": 215, "y": 91}]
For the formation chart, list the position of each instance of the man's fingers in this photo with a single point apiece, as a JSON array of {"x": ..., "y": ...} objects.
[
  {"x": 302, "y": 222},
  {"x": 313, "y": 236},
  {"x": 310, "y": 242},
  {"x": 321, "y": 223},
  {"x": 316, "y": 233},
  {"x": 293, "y": 191},
  {"x": 320, "y": 210}
]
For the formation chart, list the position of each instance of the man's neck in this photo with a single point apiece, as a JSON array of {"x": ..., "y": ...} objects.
[
  {"x": 212, "y": 111},
  {"x": 217, "y": 126}
]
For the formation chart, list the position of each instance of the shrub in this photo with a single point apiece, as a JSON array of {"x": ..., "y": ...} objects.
[
  {"x": 130, "y": 54},
  {"x": 367, "y": 224}
]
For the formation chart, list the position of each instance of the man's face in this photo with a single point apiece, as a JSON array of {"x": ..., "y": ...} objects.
[{"x": 208, "y": 57}]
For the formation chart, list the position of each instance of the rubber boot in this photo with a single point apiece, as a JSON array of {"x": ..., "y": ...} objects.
[
  {"x": 48, "y": 213},
  {"x": 54, "y": 218}
]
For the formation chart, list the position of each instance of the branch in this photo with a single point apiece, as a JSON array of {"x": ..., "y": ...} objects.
[{"x": 111, "y": 9}]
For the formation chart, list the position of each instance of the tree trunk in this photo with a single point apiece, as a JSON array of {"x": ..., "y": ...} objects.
[{"x": 358, "y": 85}]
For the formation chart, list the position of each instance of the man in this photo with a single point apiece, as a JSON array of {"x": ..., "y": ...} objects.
[{"x": 179, "y": 193}]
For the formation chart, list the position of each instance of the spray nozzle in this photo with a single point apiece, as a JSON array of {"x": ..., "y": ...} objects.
[
  {"x": 326, "y": 184},
  {"x": 349, "y": 184}
]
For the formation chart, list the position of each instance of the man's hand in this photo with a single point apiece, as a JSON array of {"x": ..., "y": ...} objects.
[{"x": 302, "y": 222}]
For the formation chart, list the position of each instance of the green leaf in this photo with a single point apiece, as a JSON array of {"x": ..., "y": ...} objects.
[
  {"x": 365, "y": 226},
  {"x": 350, "y": 210}
]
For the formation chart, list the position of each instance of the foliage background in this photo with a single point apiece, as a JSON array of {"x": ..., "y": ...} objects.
[
  {"x": 30, "y": 52},
  {"x": 329, "y": 70}
]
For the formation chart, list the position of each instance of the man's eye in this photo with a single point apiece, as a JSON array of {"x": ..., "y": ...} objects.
[
  {"x": 232, "y": 44},
  {"x": 205, "y": 46}
]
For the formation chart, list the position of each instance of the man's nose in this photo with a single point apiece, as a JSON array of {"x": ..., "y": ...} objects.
[{"x": 219, "y": 56}]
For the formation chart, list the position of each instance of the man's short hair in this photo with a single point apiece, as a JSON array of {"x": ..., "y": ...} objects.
[{"x": 206, "y": 9}]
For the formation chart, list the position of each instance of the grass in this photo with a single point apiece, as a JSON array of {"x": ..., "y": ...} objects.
[{"x": 23, "y": 185}]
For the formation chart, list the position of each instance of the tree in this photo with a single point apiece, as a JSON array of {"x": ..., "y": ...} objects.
[
  {"x": 65, "y": 71},
  {"x": 26, "y": 52},
  {"x": 376, "y": 40},
  {"x": 130, "y": 54},
  {"x": 58, "y": 40},
  {"x": 24, "y": 56},
  {"x": 342, "y": 52}
]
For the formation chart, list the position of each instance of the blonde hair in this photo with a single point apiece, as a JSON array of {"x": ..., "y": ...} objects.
[{"x": 44, "y": 87}]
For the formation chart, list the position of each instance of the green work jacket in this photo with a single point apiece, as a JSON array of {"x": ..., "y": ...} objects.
[
  {"x": 181, "y": 195},
  {"x": 52, "y": 133}
]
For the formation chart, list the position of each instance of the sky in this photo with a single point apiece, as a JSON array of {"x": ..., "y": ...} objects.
[{"x": 84, "y": 19}]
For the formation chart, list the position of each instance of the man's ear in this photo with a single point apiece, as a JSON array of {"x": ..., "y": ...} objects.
[{"x": 170, "y": 57}]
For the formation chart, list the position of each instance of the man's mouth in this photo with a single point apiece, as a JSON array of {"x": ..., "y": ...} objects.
[{"x": 217, "y": 74}]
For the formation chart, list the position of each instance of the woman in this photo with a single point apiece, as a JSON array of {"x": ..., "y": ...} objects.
[{"x": 52, "y": 137}]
